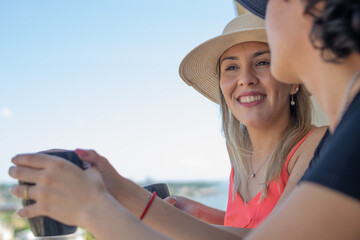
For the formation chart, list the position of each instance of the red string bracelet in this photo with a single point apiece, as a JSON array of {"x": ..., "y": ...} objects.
[{"x": 148, "y": 205}]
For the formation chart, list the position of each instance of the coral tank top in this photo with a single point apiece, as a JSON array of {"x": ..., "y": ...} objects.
[{"x": 250, "y": 215}]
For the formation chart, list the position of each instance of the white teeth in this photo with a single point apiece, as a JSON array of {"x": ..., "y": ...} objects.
[{"x": 250, "y": 99}]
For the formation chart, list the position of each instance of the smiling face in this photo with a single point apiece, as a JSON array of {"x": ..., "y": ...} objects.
[{"x": 253, "y": 96}]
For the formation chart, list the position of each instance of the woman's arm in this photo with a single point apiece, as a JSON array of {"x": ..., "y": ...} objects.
[
  {"x": 165, "y": 218},
  {"x": 200, "y": 211},
  {"x": 240, "y": 232},
  {"x": 312, "y": 211},
  {"x": 114, "y": 182},
  {"x": 109, "y": 221}
]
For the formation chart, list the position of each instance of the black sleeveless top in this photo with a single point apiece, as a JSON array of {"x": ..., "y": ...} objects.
[{"x": 336, "y": 162}]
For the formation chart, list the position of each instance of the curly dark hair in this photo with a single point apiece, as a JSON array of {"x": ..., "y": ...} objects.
[{"x": 336, "y": 28}]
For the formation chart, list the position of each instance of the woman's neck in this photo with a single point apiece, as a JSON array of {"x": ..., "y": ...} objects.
[
  {"x": 264, "y": 140},
  {"x": 328, "y": 83}
]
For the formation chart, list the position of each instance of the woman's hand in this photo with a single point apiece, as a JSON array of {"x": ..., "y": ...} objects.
[
  {"x": 185, "y": 204},
  {"x": 63, "y": 191},
  {"x": 110, "y": 176}
]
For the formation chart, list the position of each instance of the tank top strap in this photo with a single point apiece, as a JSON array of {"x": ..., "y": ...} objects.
[{"x": 291, "y": 154}]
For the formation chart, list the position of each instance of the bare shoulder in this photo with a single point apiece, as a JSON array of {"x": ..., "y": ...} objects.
[
  {"x": 300, "y": 161},
  {"x": 315, "y": 136},
  {"x": 313, "y": 211},
  {"x": 306, "y": 151}
]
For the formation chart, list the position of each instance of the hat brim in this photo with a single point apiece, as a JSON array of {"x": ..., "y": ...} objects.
[
  {"x": 257, "y": 7},
  {"x": 199, "y": 68}
]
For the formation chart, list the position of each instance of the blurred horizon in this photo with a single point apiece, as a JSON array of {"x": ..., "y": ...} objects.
[{"x": 103, "y": 75}]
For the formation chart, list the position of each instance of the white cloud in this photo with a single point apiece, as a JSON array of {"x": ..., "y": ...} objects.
[{"x": 6, "y": 113}]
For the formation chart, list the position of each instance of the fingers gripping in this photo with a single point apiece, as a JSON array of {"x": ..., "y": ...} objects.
[{"x": 23, "y": 191}]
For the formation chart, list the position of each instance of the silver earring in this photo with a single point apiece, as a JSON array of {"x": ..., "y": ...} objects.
[
  {"x": 297, "y": 89},
  {"x": 292, "y": 100}
]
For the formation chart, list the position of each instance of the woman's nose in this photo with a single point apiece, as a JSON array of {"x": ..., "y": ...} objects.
[{"x": 247, "y": 77}]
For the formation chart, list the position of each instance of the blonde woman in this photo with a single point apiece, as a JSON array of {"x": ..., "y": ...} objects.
[
  {"x": 268, "y": 132},
  {"x": 266, "y": 124}
]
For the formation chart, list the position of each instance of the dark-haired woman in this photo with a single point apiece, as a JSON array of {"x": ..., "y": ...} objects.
[{"x": 317, "y": 42}]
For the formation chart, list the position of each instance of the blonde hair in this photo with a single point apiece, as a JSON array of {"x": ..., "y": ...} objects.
[{"x": 239, "y": 144}]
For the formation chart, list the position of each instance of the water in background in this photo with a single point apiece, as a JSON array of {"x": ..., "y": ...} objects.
[{"x": 219, "y": 197}]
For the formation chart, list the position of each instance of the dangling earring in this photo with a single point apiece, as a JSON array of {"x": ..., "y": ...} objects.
[{"x": 292, "y": 100}]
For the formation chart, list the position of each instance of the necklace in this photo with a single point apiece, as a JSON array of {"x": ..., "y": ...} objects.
[
  {"x": 345, "y": 103},
  {"x": 253, "y": 173}
]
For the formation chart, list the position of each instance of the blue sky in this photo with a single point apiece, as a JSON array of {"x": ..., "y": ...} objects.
[{"x": 104, "y": 75}]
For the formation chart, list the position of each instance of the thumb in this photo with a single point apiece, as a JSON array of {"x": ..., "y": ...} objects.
[{"x": 92, "y": 157}]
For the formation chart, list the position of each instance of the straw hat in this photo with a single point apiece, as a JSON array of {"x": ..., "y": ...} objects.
[{"x": 199, "y": 68}]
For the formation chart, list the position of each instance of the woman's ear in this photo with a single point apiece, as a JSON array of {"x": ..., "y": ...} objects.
[{"x": 294, "y": 89}]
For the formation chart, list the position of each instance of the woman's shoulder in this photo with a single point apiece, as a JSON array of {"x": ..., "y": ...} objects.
[
  {"x": 305, "y": 152},
  {"x": 315, "y": 136}
]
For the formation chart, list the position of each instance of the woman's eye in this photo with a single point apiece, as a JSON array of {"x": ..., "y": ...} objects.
[
  {"x": 230, "y": 68},
  {"x": 263, "y": 63}
]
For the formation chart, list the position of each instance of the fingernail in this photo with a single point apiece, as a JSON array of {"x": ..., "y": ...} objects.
[
  {"x": 14, "y": 160},
  {"x": 19, "y": 212},
  {"x": 81, "y": 153},
  {"x": 172, "y": 200},
  {"x": 11, "y": 169}
]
